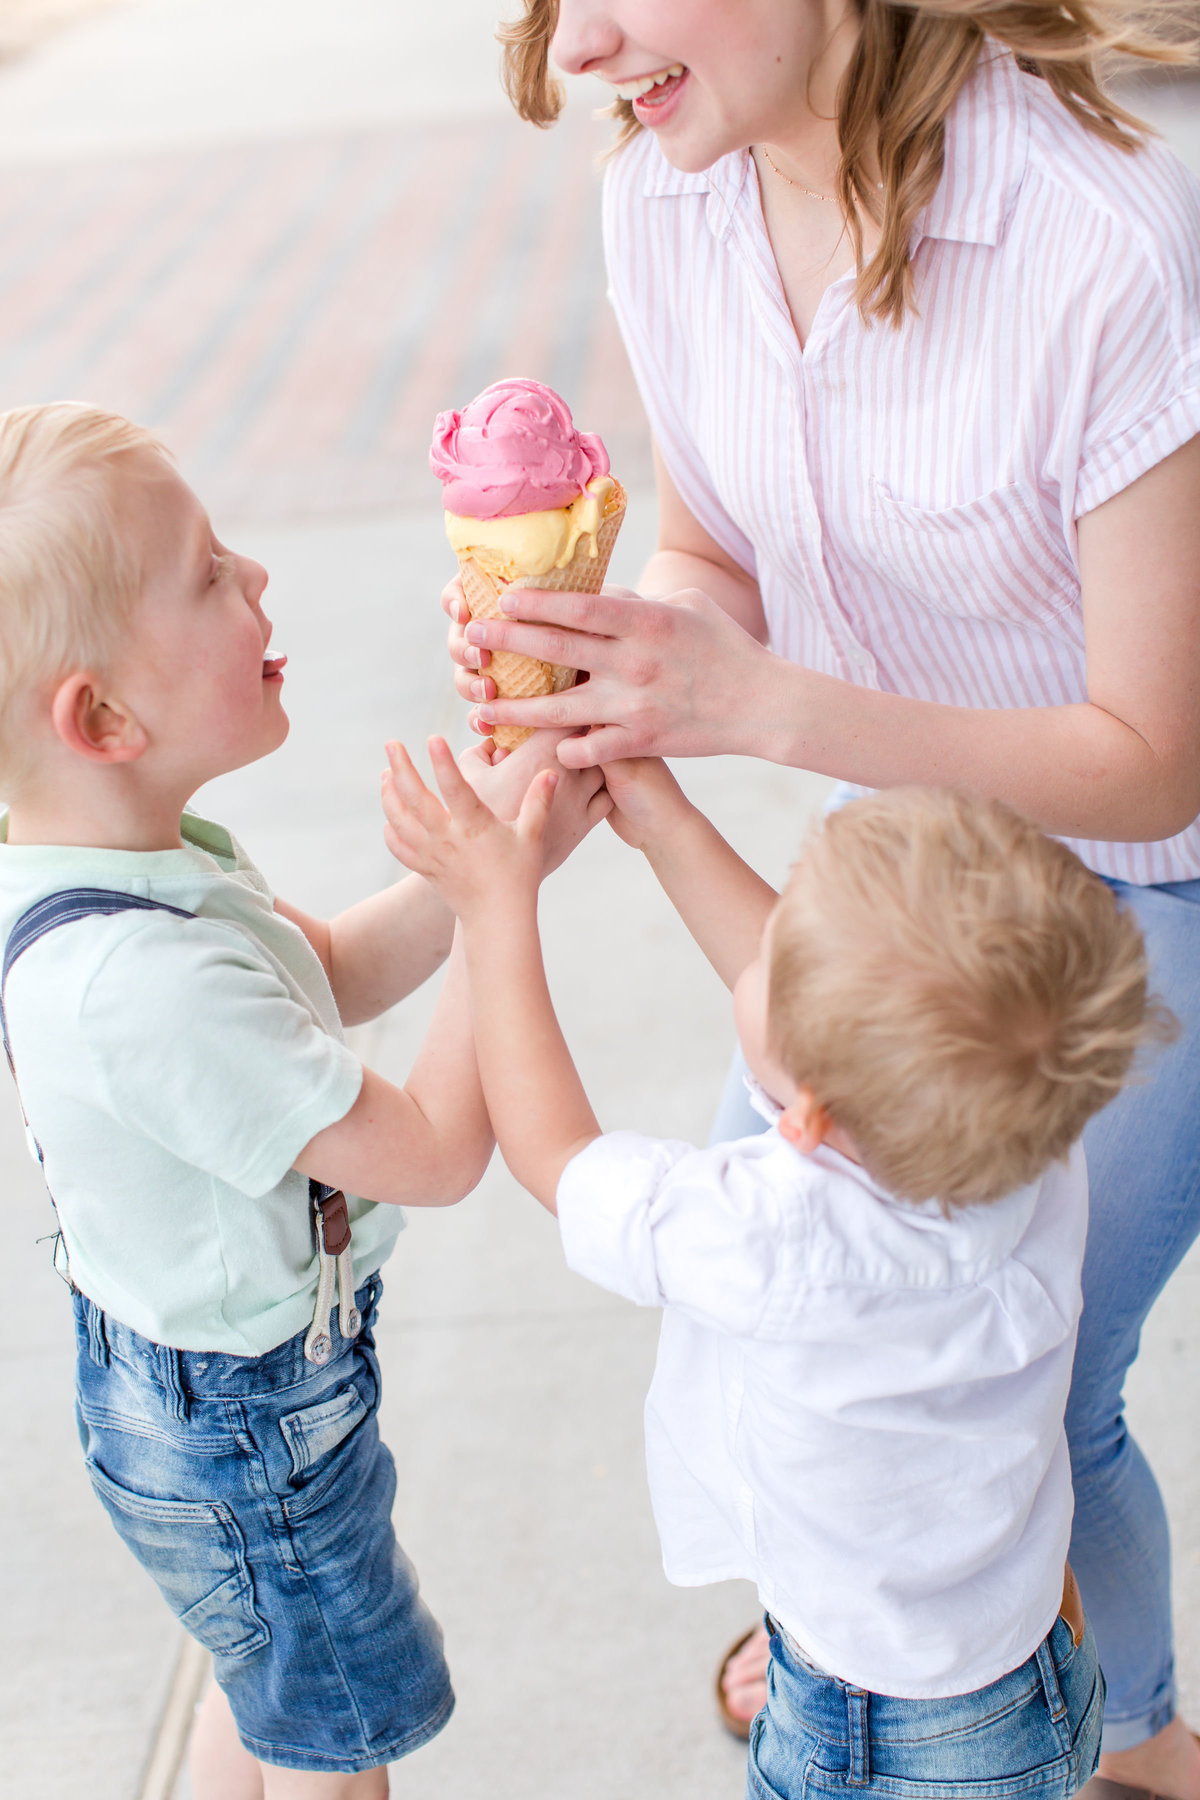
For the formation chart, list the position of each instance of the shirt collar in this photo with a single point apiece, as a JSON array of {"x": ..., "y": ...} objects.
[
  {"x": 764, "y": 1105},
  {"x": 987, "y": 143}
]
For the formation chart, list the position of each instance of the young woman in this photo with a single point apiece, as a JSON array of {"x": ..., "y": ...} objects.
[{"x": 915, "y": 311}]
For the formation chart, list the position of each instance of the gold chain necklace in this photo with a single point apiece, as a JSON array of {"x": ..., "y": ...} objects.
[
  {"x": 812, "y": 194},
  {"x": 833, "y": 199}
]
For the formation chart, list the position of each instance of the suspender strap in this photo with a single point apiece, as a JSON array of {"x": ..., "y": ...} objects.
[
  {"x": 63, "y": 909},
  {"x": 43, "y": 916},
  {"x": 330, "y": 1215}
]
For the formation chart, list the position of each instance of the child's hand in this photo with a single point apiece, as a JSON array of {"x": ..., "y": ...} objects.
[
  {"x": 474, "y": 860},
  {"x": 647, "y": 800},
  {"x": 501, "y": 780}
]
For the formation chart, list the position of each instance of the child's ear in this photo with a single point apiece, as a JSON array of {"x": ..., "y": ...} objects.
[
  {"x": 98, "y": 729},
  {"x": 804, "y": 1122}
]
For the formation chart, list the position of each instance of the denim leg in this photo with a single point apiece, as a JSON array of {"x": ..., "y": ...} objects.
[
  {"x": 1144, "y": 1170},
  {"x": 735, "y": 1118}
]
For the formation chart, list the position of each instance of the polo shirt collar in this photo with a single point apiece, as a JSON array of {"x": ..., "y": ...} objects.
[{"x": 987, "y": 144}]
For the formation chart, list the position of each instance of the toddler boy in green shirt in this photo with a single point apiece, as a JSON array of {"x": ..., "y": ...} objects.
[{"x": 177, "y": 1037}]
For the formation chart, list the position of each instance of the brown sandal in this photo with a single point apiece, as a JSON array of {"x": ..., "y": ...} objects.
[
  {"x": 1101, "y": 1788},
  {"x": 739, "y": 1728}
]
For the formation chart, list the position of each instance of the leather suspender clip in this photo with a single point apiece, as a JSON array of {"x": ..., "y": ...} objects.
[
  {"x": 335, "y": 1264},
  {"x": 331, "y": 1223}
]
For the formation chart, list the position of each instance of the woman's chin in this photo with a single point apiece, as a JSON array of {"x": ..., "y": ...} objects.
[
  {"x": 691, "y": 147},
  {"x": 688, "y": 154}
]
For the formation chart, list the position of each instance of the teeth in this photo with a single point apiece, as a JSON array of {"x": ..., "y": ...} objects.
[{"x": 633, "y": 90}]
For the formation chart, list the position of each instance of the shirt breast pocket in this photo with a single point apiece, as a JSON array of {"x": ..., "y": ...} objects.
[{"x": 993, "y": 558}]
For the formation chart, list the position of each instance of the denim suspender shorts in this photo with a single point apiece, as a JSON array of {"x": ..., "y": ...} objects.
[{"x": 256, "y": 1493}]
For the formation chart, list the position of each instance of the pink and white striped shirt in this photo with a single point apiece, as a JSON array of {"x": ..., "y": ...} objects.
[{"x": 907, "y": 499}]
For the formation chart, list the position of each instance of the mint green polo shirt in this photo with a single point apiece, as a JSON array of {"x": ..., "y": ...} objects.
[{"x": 172, "y": 1071}]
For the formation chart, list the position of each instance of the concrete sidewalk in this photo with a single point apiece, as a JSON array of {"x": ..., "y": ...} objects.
[{"x": 286, "y": 232}]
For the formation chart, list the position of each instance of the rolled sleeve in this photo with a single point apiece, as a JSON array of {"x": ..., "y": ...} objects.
[
  {"x": 665, "y": 1224},
  {"x": 1144, "y": 380}
]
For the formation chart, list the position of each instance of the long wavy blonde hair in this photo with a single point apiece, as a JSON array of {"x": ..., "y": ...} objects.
[{"x": 908, "y": 65}]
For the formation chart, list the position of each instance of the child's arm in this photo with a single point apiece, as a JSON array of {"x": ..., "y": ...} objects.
[
  {"x": 378, "y": 951},
  {"x": 427, "y": 1143},
  {"x": 489, "y": 872},
  {"x": 720, "y": 899}
]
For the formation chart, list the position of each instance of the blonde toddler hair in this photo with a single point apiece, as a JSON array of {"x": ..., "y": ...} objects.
[
  {"x": 957, "y": 989},
  {"x": 68, "y": 582}
]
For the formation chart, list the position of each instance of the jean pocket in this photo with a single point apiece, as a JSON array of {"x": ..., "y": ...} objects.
[
  {"x": 313, "y": 1431},
  {"x": 196, "y": 1555},
  {"x": 992, "y": 558}
]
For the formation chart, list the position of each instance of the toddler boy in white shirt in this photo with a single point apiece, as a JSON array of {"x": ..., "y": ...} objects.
[{"x": 870, "y": 1310}]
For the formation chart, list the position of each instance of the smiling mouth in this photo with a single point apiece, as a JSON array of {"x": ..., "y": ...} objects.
[
  {"x": 273, "y": 667},
  {"x": 650, "y": 88}
]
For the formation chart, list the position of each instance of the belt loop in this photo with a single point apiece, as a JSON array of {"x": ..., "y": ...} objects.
[
  {"x": 858, "y": 1733},
  {"x": 1049, "y": 1675},
  {"x": 172, "y": 1381},
  {"x": 96, "y": 1335}
]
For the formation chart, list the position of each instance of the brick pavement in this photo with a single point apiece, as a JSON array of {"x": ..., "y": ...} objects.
[{"x": 291, "y": 314}]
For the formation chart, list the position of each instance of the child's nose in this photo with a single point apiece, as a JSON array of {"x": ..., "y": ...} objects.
[{"x": 254, "y": 579}]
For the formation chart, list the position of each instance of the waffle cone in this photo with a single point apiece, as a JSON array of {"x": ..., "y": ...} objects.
[{"x": 523, "y": 677}]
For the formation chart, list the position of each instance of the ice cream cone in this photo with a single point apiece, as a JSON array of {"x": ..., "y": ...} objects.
[{"x": 522, "y": 677}]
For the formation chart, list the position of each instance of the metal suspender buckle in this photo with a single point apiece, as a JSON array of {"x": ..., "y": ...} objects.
[{"x": 335, "y": 1262}]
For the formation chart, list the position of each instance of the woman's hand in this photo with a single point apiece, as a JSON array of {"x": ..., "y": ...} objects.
[
  {"x": 469, "y": 661},
  {"x": 674, "y": 677},
  {"x": 501, "y": 780},
  {"x": 647, "y": 801}
]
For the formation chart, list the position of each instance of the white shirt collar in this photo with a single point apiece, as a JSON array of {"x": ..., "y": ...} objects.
[
  {"x": 987, "y": 142},
  {"x": 761, "y": 1101}
]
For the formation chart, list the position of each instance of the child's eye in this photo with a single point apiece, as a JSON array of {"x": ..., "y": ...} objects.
[{"x": 222, "y": 568}]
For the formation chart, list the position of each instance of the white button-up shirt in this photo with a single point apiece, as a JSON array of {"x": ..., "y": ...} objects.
[
  {"x": 907, "y": 499},
  {"x": 858, "y": 1403}
]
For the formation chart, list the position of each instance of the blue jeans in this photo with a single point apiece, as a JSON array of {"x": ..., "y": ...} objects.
[
  {"x": 1143, "y": 1157},
  {"x": 255, "y": 1491},
  {"x": 1032, "y": 1735}
]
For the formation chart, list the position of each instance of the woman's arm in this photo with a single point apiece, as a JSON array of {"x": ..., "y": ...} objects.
[
  {"x": 682, "y": 678},
  {"x": 688, "y": 557}
]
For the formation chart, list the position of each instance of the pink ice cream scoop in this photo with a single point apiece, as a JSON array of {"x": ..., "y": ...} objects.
[{"x": 514, "y": 449}]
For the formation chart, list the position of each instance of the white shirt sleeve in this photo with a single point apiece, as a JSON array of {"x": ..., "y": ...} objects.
[
  {"x": 198, "y": 1044},
  {"x": 665, "y": 1224}
]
